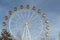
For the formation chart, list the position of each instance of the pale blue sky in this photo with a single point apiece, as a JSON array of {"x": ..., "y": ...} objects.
[{"x": 50, "y": 7}]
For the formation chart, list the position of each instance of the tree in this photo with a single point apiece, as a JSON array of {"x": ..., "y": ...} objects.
[
  {"x": 5, "y": 35},
  {"x": 0, "y": 38}
]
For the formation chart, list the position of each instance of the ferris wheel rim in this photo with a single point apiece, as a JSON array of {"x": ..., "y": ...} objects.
[{"x": 9, "y": 24}]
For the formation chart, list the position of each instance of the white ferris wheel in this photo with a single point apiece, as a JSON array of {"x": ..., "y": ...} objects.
[{"x": 28, "y": 23}]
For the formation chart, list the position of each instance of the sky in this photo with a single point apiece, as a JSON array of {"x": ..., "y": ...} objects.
[{"x": 50, "y": 7}]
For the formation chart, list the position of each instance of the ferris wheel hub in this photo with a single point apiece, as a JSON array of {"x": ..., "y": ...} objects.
[{"x": 26, "y": 24}]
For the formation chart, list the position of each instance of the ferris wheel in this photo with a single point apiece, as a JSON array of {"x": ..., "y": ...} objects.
[{"x": 27, "y": 22}]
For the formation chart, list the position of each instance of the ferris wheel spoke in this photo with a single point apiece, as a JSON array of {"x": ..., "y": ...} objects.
[
  {"x": 29, "y": 14},
  {"x": 35, "y": 23},
  {"x": 16, "y": 22},
  {"x": 41, "y": 28},
  {"x": 23, "y": 16},
  {"x": 32, "y": 15},
  {"x": 20, "y": 24},
  {"x": 18, "y": 16},
  {"x": 25, "y": 12},
  {"x": 34, "y": 18}
]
